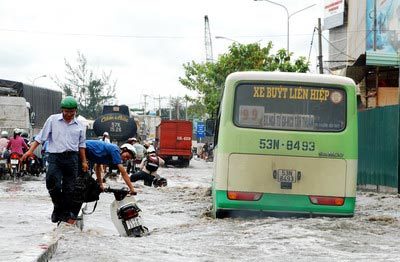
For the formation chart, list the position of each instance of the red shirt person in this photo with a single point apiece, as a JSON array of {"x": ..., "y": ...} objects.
[{"x": 16, "y": 143}]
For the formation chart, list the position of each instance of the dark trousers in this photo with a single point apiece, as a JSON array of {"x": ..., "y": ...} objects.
[
  {"x": 60, "y": 179},
  {"x": 141, "y": 175}
]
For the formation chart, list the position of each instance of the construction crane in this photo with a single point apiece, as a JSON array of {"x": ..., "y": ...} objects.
[{"x": 207, "y": 40}]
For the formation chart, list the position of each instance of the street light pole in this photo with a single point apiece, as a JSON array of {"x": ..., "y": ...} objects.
[
  {"x": 33, "y": 81},
  {"x": 288, "y": 17},
  {"x": 226, "y": 38}
]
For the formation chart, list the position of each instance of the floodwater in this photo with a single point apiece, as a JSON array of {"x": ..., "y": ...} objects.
[{"x": 181, "y": 229}]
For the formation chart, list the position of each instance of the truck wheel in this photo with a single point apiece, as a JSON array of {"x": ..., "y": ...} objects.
[{"x": 185, "y": 162}]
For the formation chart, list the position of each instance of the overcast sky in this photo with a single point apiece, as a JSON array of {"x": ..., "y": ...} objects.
[{"x": 143, "y": 43}]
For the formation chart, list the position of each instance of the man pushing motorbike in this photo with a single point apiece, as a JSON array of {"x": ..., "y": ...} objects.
[{"x": 102, "y": 153}]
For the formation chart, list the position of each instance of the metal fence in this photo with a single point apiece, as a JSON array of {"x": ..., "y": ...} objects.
[{"x": 378, "y": 148}]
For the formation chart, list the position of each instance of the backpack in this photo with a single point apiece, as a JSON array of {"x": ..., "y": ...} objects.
[
  {"x": 152, "y": 163},
  {"x": 86, "y": 189}
]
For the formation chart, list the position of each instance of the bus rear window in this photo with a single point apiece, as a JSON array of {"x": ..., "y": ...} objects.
[{"x": 290, "y": 107}]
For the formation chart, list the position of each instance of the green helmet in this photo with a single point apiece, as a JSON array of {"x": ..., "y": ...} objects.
[{"x": 69, "y": 102}]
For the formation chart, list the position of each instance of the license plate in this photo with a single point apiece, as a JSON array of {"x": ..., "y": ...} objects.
[
  {"x": 14, "y": 161},
  {"x": 133, "y": 222},
  {"x": 287, "y": 175},
  {"x": 137, "y": 165},
  {"x": 33, "y": 161},
  {"x": 3, "y": 161},
  {"x": 174, "y": 157}
]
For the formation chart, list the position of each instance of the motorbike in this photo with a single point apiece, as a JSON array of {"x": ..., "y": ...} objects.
[
  {"x": 3, "y": 165},
  {"x": 16, "y": 172},
  {"x": 125, "y": 213},
  {"x": 34, "y": 165}
]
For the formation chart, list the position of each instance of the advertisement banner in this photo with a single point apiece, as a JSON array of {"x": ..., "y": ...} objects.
[{"x": 383, "y": 35}]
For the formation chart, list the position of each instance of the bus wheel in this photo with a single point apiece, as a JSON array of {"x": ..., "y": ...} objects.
[{"x": 221, "y": 214}]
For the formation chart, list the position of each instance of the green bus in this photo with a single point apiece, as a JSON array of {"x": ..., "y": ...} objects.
[{"x": 285, "y": 144}]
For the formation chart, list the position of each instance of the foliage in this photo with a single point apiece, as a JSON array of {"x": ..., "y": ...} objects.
[
  {"x": 90, "y": 90},
  {"x": 208, "y": 78}
]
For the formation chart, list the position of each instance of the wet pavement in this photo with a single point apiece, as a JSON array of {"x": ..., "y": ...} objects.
[{"x": 27, "y": 233}]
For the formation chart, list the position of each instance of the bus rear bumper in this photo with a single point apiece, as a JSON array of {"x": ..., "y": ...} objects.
[{"x": 278, "y": 205}]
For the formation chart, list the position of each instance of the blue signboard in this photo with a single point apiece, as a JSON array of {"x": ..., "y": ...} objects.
[{"x": 201, "y": 129}]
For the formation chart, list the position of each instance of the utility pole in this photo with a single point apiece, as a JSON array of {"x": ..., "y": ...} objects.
[
  {"x": 186, "y": 108},
  {"x": 177, "y": 107},
  {"x": 159, "y": 104},
  {"x": 145, "y": 104},
  {"x": 170, "y": 108},
  {"x": 321, "y": 67},
  {"x": 207, "y": 40},
  {"x": 375, "y": 25}
]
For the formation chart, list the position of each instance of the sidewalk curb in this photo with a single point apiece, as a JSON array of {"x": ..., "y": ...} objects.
[
  {"x": 48, "y": 252},
  {"x": 49, "y": 247},
  {"x": 42, "y": 251}
]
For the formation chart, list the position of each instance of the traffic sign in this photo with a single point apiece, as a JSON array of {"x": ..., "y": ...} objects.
[{"x": 201, "y": 129}]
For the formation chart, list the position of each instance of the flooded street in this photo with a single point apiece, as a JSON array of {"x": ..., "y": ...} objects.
[{"x": 181, "y": 229}]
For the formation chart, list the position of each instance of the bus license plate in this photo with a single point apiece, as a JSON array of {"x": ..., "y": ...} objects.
[
  {"x": 287, "y": 175},
  {"x": 174, "y": 158},
  {"x": 133, "y": 222}
]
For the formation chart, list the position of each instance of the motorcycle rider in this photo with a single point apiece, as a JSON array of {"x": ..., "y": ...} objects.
[
  {"x": 140, "y": 153},
  {"x": 150, "y": 177},
  {"x": 66, "y": 136},
  {"x": 3, "y": 142},
  {"x": 25, "y": 136},
  {"x": 106, "y": 137},
  {"x": 17, "y": 144}
]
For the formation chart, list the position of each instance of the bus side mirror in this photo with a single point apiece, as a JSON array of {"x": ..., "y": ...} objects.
[{"x": 210, "y": 124}]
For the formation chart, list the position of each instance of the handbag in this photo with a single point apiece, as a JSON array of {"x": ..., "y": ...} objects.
[{"x": 86, "y": 188}]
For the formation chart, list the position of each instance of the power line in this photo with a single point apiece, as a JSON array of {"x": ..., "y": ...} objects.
[
  {"x": 150, "y": 36},
  {"x": 133, "y": 36},
  {"x": 96, "y": 35},
  {"x": 311, "y": 44}
]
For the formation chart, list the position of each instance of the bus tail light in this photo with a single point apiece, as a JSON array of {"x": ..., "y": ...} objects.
[
  {"x": 247, "y": 196},
  {"x": 329, "y": 201}
]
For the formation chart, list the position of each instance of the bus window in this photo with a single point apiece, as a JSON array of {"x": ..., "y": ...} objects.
[{"x": 290, "y": 107}]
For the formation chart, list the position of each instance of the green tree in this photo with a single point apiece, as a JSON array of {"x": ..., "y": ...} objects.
[
  {"x": 208, "y": 79},
  {"x": 90, "y": 90}
]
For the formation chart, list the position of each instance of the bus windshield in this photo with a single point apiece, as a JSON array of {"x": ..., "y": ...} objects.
[{"x": 290, "y": 107}]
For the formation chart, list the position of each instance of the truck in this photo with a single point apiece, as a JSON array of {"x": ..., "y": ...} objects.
[
  {"x": 117, "y": 121},
  {"x": 174, "y": 142},
  {"x": 42, "y": 102},
  {"x": 14, "y": 113}
]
